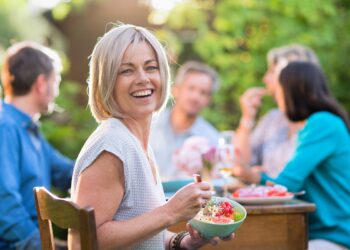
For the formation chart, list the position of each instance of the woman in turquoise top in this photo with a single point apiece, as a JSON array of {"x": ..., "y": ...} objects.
[{"x": 321, "y": 163}]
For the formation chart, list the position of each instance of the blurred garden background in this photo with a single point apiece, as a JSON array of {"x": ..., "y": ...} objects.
[{"x": 233, "y": 36}]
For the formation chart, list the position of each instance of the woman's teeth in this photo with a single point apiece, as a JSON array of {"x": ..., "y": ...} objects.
[{"x": 142, "y": 93}]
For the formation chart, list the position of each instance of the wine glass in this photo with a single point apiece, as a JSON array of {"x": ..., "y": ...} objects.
[{"x": 224, "y": 158}]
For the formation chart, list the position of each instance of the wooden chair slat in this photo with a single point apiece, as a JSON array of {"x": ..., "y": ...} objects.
[{"x": 65, "y": 214}]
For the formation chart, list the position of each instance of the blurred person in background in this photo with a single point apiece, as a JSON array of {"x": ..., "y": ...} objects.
[
  {"x": 128, "y": 83},
  {"x": 320, "y": 164},
  {"x": 193, "y": 87},
  {"x": 270, "y": 144},
  {"x": 30, "y": 77}
]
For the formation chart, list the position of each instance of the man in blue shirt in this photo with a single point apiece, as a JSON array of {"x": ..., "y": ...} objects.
[
  {"x": 192, "y": 90},
  {"x": 30, "y": 77}
]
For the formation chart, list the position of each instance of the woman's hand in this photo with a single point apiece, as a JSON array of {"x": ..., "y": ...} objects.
[
  {"x": 250, "y": 102},
  {"x": 194, "y": 240},
  {"x": 186, "y": 203},
  {"x": 247, "y": 174}
]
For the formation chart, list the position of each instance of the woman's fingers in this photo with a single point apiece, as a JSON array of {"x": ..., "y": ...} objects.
[
  {"x": 238, "y": 170},
  {"x": 193, "y": 233},
  {"x": 228, "y": 237},
  {"x": 186, "y": 203},
  {"x": 206, "y": 195},
  {"x": 203, "y": 185},
  {"x": 215, "y": 240},
  {"x": 250, "y": 101},
  {"x": 198, "y": 241}
]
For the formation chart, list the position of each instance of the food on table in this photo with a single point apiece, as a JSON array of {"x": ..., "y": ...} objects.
[
  {"x": 220, "y": 217},
  {"x": 219, "y": 212},
  {"x": 261, "y": 191}
]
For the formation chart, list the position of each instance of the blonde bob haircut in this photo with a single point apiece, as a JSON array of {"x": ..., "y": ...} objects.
[{"x": 104, "y": 65}]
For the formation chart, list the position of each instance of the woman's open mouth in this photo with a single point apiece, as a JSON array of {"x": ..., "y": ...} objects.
[{"x": 142, "y": 93}]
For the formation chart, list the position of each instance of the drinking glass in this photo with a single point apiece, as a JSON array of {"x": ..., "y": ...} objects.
[{"x": 224, "y": 158}]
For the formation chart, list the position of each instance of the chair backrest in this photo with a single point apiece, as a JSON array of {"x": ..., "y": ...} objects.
[{"x": 65, "y": 214}]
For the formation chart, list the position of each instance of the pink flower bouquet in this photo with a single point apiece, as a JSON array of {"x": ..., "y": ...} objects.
[{"x": 195, "y": 154}]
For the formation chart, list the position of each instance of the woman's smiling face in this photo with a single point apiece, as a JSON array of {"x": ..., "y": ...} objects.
[{"x": 138, "y": 86}]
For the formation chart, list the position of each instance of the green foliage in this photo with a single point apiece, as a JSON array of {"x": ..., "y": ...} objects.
[
  {"x": 17, "y": 24},
  {"x": 68, "y": 129},
  {"x": 234, "y": 37},
  {"x": 62, "y": 10}
]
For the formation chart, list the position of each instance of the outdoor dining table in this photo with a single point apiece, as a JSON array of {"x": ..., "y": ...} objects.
[{"x": 268, "y": 227}]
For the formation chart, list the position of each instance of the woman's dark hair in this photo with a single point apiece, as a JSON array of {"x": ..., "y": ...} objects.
[{"x": 306, "y": 92}]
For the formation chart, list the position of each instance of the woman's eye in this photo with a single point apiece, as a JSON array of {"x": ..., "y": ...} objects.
[
  {"x": 126, "y": 71},
  {"x": 151, "y": 68}
]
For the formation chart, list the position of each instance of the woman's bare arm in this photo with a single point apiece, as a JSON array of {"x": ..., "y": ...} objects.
[{"x": 102, "y": 186}]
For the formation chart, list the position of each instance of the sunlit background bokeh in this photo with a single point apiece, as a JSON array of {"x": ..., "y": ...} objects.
[{"x": 231, "y": 36}]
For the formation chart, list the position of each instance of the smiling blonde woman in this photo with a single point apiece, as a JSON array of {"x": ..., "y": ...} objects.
[{"x": 115, "y": 171}]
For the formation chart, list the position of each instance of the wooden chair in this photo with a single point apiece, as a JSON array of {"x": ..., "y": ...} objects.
[{"x": 65, "y": 214}]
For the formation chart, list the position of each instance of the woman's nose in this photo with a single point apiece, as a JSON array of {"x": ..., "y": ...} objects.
[
  {"x": 265, "y": 78},
  {"x": 142, "y": 76}
]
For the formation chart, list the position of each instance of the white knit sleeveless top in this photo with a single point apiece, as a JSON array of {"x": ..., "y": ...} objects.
[{"x": 142, "y": 194}]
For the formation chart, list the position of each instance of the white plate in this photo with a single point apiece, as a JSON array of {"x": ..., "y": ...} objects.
[{"x": 262, "y": 200}]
